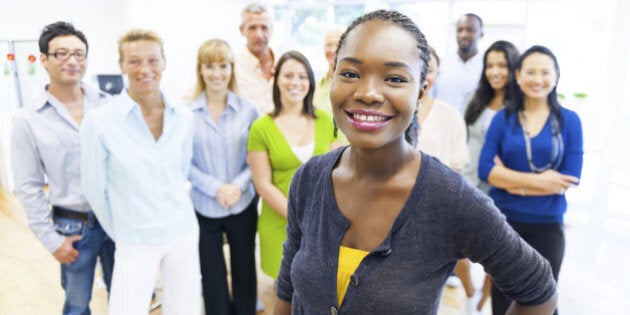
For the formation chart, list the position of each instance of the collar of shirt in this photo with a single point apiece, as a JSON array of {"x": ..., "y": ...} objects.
[
  {"x": 132, "y": 113},
  {"x": 473, "y": 61},
  {"x": 129, "y": 104},
  {"x": 91, "y": 94},
  {"x": 252, "y": 63},
  {"x": 91, "y": 98},
  {"x": 199, "y": 104}
]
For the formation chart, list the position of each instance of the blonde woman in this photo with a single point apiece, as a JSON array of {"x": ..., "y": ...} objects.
[{"x": 222, "y": 191}]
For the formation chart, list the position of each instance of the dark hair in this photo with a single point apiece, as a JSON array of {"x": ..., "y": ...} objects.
[
  {"x": 308, "y": 107},
  {"x": 57, "y": 29},
  {"x": 484, "y": 93},
  {"x": 518, "y": 98},
  {"x": 476, "y": 17},
  {"x": 401, "y": 20},
  {"x": 411, "y": 133}
]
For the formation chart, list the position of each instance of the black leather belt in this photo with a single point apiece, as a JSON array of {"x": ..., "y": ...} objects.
[{"x": 71, "y": 214}]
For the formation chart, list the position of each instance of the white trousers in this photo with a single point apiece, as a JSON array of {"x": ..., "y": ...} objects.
[{"x": 135, "y": 274}]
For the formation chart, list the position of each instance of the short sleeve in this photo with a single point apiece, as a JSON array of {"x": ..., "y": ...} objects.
[{"x": 255, "y": 141}]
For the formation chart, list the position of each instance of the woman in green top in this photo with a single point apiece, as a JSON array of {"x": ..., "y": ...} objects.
[{"x": 279, "y": 143}]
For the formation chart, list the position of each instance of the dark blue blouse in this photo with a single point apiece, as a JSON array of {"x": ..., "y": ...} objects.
[{"x": 505, "y": 139}]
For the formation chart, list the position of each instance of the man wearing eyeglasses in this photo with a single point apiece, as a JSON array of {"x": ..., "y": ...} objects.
[{"x": 45, "y": 145}]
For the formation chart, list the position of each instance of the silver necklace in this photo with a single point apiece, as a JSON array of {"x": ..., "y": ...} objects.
[{"x": 557, "y": 145}]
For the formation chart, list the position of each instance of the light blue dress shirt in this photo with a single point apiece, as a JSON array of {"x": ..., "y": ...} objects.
[
  {"x": 138, "y": 186},
  {"x": 45, "y": 144},
  {"x": 220, "y": 155}
]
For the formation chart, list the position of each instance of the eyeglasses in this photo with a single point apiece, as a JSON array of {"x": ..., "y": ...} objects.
[{"x": 63, "y": 55}]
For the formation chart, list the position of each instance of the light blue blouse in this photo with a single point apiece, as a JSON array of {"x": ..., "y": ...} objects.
[
  {"x": 220, "y": 155},
  {"x": 138, "y": 186},
  {"x": 45, "y": 145}
]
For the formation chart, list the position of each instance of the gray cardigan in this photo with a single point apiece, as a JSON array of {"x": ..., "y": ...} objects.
[{"x": 444, "y": 219}]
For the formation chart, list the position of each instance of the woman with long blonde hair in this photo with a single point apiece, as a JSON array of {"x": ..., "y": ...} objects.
[{"x": 222, "y": 190}]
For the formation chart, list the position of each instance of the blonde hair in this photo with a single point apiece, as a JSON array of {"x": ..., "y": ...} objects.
[
  {"x": 214, "y": 50},
  {"x": 138, "y": 34}
]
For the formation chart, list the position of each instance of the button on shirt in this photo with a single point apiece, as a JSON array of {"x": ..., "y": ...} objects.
[
  {"x": 45, "y": 144},
  {"x": 251, "y": 82},
  {"x": 220, "y": 155},
  {"x": 443, "y": 220},
  {"x": 457, "y": 80},
  {"x": 136, "y": 185}
]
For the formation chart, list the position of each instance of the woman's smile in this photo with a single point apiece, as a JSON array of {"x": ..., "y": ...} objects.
[{"x": 368, "y": 120}]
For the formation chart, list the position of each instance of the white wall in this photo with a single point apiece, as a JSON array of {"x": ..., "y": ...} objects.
[
  {"x": 99, "y": 20},
  {"x": 183, "y": 24}
]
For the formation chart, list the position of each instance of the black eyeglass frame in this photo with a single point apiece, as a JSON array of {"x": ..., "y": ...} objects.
[{"x": 79, "y": 55}]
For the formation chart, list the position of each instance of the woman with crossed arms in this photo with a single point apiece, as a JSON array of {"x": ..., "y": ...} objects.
[{"x": 532, "y": 154}]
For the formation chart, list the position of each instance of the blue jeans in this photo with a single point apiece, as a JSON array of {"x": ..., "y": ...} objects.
[{"x": 77, "y": 278}]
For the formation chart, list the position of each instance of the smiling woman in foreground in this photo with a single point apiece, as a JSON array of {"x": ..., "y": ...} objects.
[{"x": 377, "y": 227}]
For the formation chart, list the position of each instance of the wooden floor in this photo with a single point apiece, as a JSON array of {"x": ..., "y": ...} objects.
[{"x": 29, "y": 275}]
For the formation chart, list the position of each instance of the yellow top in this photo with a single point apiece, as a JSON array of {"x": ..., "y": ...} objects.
[{"x": 349, "y": 260}]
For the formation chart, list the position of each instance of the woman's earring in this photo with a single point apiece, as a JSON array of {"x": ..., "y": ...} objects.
[{"x": 335, "y": 129}]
